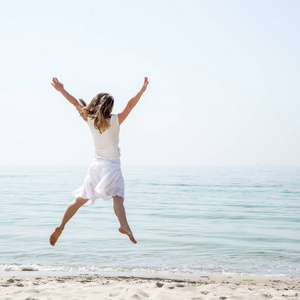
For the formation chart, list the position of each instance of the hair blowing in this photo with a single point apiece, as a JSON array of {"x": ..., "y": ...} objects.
[{"x": 99, "y": 109}]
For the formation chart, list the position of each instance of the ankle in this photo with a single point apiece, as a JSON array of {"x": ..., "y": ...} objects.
[
  {"x": 125, "y": 226},
  {"x": 61, "y": 227}
]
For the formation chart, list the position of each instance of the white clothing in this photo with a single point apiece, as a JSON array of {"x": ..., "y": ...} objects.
[
  {"x": 106, "y": 143},
  {"x": 104, "y": 177},
  {"x": 104, "y": 180}
]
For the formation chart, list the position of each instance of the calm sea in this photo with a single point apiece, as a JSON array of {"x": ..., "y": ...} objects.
[{"x": 187, "y": 220}]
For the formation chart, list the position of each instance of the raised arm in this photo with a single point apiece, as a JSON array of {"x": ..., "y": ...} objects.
[
  {"x": 132, "y": 102},
  {"x": 60, "y": 87}
]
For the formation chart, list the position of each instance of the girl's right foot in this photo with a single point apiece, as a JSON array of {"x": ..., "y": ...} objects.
[
  {"x": 129, "y": 233},
  {"x": 55, "y": 235}
]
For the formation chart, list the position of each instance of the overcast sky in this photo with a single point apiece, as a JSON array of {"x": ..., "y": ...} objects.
[{"x": 224, "y": 80}]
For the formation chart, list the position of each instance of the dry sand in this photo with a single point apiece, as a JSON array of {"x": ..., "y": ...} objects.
[{"x": 87, "y": 287}]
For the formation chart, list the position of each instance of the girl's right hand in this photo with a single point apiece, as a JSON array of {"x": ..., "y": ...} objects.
[{"x": 57, "y": 85}]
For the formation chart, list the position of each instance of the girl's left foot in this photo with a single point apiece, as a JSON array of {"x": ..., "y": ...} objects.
[
  {"x": 129, "y": 233},
  {"x": 55, "y": 235}
]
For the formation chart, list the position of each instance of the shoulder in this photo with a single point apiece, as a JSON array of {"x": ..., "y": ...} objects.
[
  {"x": 82, "y": 113},
  {"x": 115, "y": 119},
  {"x": 90, "y": 121}
]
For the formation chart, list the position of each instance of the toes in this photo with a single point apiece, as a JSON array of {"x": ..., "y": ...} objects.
[
  {"x": 130, "y": 235},
  {"x": 54, "y": 236}
]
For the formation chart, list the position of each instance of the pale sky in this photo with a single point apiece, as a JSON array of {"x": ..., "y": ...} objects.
[{"x": 224, "y": 80}]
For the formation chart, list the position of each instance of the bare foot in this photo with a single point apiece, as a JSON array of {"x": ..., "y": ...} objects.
[
  {"x": 129, "y": 233},
  {"x": 55, "y": 235}
]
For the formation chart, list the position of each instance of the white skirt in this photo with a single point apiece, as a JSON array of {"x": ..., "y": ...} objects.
[{"x": 104, "y": 180}]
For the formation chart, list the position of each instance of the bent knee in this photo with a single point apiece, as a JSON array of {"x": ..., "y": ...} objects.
[
  {"x": 118, "y": 198},
  {"x": 81, "y": 201}
]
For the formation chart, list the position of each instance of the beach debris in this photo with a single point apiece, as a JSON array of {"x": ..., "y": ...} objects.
[
  {"x": 10, "y": 280},
  {"x": 159, "y": 284},
  {"x": 180, "y": 285},
  {"x": 29, "y": 268},
  {"x": 291, "y": 294},
  {"x": 85, "y": 280}
]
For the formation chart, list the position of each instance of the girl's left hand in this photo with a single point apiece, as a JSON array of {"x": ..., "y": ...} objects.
[
  {"x": 57, "y": 85},
  {"x": 145, "y": 84}
]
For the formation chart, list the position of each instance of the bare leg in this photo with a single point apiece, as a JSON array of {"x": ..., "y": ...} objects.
[
  {"x": 120, "y": 213},
  {"x": 69, "y": 213}
]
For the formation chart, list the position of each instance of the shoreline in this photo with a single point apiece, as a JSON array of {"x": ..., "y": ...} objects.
[
  {"x": 138, "y": 274},
  {"x": 97, "y": 286},
  {"x": 23, "y": 270}
]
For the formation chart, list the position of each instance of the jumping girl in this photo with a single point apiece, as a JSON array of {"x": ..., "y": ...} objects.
[{"x": 104, "y": 177}]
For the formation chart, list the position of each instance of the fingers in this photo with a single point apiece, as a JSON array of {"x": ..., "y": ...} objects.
[
  {"x": 55, "y": 80},
  {"x": 56, "y": 84}
]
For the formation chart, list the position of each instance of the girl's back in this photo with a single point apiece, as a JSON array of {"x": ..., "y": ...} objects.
[{"x": 106, "y": 143}]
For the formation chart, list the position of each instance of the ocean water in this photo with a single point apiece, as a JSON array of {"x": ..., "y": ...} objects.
[{"x": 187, "y": 221}]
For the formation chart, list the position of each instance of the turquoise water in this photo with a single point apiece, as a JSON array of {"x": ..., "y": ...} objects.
[{"x": 187, "y": 220}]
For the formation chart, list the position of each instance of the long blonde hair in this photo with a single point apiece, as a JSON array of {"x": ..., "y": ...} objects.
[{"x": 99, "y": 109}]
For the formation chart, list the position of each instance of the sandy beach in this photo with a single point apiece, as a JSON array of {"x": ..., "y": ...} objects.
[{"x": 99, "y": 287}]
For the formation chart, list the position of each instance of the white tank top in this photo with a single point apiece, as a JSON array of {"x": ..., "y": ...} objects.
[{"x": 106, "y": 144}]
